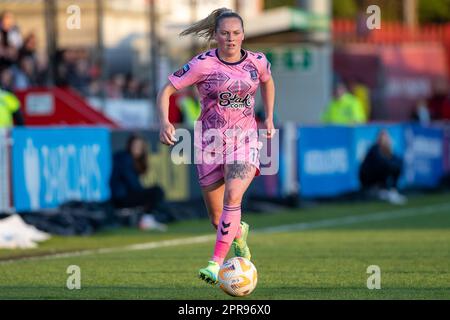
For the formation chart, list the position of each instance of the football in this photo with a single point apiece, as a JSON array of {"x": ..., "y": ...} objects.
[{"x": 238, "y": 277}]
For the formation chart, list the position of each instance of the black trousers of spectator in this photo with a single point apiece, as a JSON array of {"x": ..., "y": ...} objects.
[
  {"x": 383, "y": 175},
  {"x": 149, "y": 198}
]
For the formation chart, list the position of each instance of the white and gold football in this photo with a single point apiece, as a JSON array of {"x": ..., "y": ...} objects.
[{"x": 238, "y": 277}]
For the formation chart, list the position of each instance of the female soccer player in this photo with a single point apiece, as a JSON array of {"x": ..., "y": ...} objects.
[{"x": 227, "y": 79}]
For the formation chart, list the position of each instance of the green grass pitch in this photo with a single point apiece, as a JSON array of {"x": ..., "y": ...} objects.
[{"x": 410, "y": 244}]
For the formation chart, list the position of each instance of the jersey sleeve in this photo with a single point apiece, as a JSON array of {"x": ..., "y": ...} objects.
[
  {"x": 188, "y": 75},
  {"x": 264, "y": 68}
]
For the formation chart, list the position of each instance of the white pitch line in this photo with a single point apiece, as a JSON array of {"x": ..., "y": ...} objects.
[
  {"x": 376, "y": 216},
  {"x": 133, "y": 247}
]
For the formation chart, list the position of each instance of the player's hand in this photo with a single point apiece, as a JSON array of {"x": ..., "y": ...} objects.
[
  {"x": 268, "y": 124},
  {"x": 167, "y": 134}
]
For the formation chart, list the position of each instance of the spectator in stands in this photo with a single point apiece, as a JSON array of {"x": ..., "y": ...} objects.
[
  {"x": 7, "y": 79},
  {"x": 439, "y": 102},
  {"x": 25, "y": 74},
  {"x": 29, "y": 48},
  {"x": 73, "y": 70},
  {"x": 381, "y": 169},
  {"x": 362, "y": 92},
  {"x": 63, "y": 63},
  {"x": 10, "y": 39},
  {"x": 9, "y": 110},
  {"x": 116, "y": 87},
  {"x": 132, "y": 88},
  {"x": 95, "y": 88},
  {"x": 421, "y": 113},
  {"x": 145, "y": 89},
  {"x": 189, "y": 106},
  {"x": 80, "y": 78},
  {"x": 28, "y": 51},
  {"x": 345, "y": 108},
  {"x": 126, "y": 188}
]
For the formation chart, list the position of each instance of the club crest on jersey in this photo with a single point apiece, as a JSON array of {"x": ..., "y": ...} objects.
[
  {"x": 254, "y": 75},
  {"x": 232, "y": 100},
  {"x": 182, "y": 71}
]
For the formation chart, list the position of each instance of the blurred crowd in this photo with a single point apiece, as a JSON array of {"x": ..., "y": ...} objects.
[
  {"x": 351, "y": 103},
  {"x": 76, "y": 69},
  {"x": 21, "y": 67}
]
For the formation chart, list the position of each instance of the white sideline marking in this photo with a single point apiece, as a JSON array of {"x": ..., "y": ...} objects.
[{"x": 376, "y": 216}]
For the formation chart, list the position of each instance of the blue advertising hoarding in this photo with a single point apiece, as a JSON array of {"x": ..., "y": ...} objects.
[
  {"x": 325, "y": 160},
  {"x": 52, "y": 166},
  {"x": 424, "y": 156},
  {"x": 329, "y": 157}
]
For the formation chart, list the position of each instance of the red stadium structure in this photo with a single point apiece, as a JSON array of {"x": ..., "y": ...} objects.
[{"x": 44, "y": 106}]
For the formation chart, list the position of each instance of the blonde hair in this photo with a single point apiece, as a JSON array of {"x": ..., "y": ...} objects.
[{"x": 206, "y": 27}]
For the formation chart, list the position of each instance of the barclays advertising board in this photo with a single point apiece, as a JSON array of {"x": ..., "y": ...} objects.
[{"x": 53, "y": 166}]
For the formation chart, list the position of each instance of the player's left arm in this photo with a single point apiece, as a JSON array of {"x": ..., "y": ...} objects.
[{"x": 268, "y": 98}]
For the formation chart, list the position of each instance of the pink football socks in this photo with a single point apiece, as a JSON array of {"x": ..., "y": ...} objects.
[{"x": 229, "y": 228}]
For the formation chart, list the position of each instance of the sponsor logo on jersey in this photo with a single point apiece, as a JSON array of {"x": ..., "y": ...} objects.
[
  {"x": 182, "y": 71},
  {"x": 232, "y": 100}
]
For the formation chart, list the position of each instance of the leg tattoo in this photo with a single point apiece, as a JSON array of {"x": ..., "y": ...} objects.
[{"x": 239, "y": 171}]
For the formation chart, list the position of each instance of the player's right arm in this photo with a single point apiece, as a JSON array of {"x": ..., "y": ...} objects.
[
  {"x": 188, "y": 75},
  {"x": 166, "y": 129}
]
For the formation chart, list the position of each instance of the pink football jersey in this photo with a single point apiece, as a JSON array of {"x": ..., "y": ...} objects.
[{"x": 227, "y": 91}]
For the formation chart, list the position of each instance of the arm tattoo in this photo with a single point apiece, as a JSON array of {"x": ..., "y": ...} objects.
[{"x": 239, "y": 171}]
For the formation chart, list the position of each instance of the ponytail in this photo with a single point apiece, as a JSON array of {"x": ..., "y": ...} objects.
[{"x": 206, "y": 27}]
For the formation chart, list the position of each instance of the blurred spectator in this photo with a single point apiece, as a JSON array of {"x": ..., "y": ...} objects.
[
  {"x": 6, "y": 79},
  {"x": 345, "y": 108},
  {"x": 145, "y": 89},
  {"x": 64, "y": 61},
  {"x": 25, "y": 74},
  {"x": 95, "y": 88},
  {"x": 9, "y": 110},
  {"x": 80, "y": 78},
  {"x": 439, "y": 102},
  {"x": 362, "y": 32},
  {"x": 116, "y": 86},
  {"x": 73, "y": 70},
  {"x": 421, "y": 113},
  {"x": 190, "y": 107},
  {"x": 29, "y": 47},
  {"x": 28, "y": 53},
  {"x": 381, "y": 169},
  {"x": 10, "y": 39},
  {"x": 126, "y": 188},
  {"x": 132, "y": 88},
  {"x": 362, "y": 92}
]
